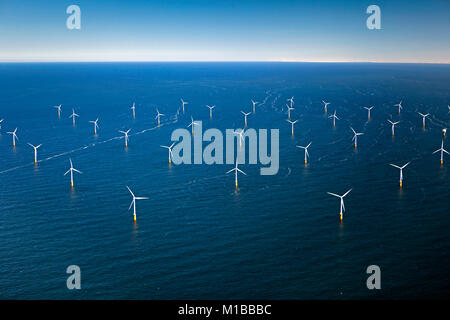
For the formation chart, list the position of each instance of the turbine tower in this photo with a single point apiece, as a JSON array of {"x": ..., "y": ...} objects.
[
  {"x": 210, "y": 110},
  {"x": 254, "y": 104},
  {"x": 393, "y": 126},
  {"x": 95, "y": 125},
  {"x": 35, "y": 151},
  {"x": 183, "y": 103},
  {"x": 325, "y": 105},
  {"x": 355, "y": 136},
  {"x": 423, "y": 118},
  {"x": 71, "y": 170},
  {"x": 14, "y": 136},
  {"x": 73, "y": 115},
  {"x": 170, "y": 151},
  {"x": 442, "y": 150},
  {"x": 368, "y": 111},
  {"x": 341, "y": 213},
  {"x": 133, "y": 203},
  {"x": 59, "y": 110},
  {"x": 292, "y": 123},
  {"x": 236, "y": 170},
  {"x": 306, "y": 152},
  {"x": 334, "y": 116},
  {"x": 401, "y": 171},
  {"x": 125, "y": 136}
]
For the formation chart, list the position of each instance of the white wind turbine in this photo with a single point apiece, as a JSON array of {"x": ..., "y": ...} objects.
[
  {"x": 71, "y": 170},
  {"x": 241, "y": 136},
  {"x": 245, "y": 117},
  {"x": 73, "y": 115},
  {"x": 95, "y": 125},
  {"x": 401, "y": 171},
  {"x": 59, "y": 110},
  {"x": 254, "y": 104},
  {"x": 193, "y": 123},
  {"x": 158, "y": 116},
  {"x": 14, "y": 136},
  {"x": 35, "y": 151},
  {"x": 183, "y": 103},
  {"x": 306, "y": 152},
  {"x": 292, "y": 124},
  {"x": 393, "y": 126},
  {"x": 423, "y": 118},
  {"x": 291, "y": 100},
  {"x": 210, "y": 110},
  {"x": 342, "y": 202},
  {"x": 170, "y": 151},
  {"x": 125, "y": 136},
  {"x": 442, "y": 150},
  {"x": 355, "y": 136},
  {"x": 289, "y": 110},
  {"x": 325, "y": 105},
  {"x": 236, "y": 170},
  {"x": 368, "y": 111},
  {"x": 133, "y": 203},
  {"x": 133, "y": 107},
  {"x": 399, "y": 105},
  {"x": 334, "y": 116}
]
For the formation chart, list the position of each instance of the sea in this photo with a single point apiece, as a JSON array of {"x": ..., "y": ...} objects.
[{"x": 197, "y": 236}]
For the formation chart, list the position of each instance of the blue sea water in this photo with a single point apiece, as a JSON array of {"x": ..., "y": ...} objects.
[{"x": 277, "y": 237}]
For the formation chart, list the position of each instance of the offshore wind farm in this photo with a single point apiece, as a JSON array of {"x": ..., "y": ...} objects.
[{"x": 199, "y": 233}]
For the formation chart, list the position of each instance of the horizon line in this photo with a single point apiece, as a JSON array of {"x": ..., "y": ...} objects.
[{"x": 222, "y": 61}]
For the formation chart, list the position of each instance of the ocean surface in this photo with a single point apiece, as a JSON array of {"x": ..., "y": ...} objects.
[{"x": 196, "y": 237}]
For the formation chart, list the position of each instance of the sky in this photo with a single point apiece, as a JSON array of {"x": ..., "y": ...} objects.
[{"x": 229, "y": 30}]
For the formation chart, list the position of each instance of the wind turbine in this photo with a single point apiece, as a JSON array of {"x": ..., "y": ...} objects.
[
  {"x": 126, "y": 136},
  {"x": 442, "y": 150},
  {"x": 133, "y": 203},
  {"x": 241, "y": 136},
  {"x": 306, "y": 152},
  {"x": 170, "y": 151},
  {"x": 183, "y": 103},
  {"x": 236, "y": 169},
  {"x": 35, "y": 151},
  {"x": 14, "y": 136},
  {"x": 291, "y": 100},
  {"x": 71, "y": 170},
  {"x": 134, "y": 110},
  {"x": 355, "y": 137},
  {"x": 245, "y": 117},
  {"x": 423, "y": 118},
  {"x": 399, "y": 105},
  {"x": 368, "y": 111},
  {"x": 289, "y": 110},
  {"x": 292, "y": 123},
  {"x": 210, "y": 110},
  {"x": 158, "y": 116},
  {"x": 254, "y": 104},
  {"x": 334, "y": 116},
  {"x": 73, "y": 115},
  {"x": 59, "y": 110},
  {"x": 193, "y": 123},
  {"x": 393, "y": 126},
  {"x": 401, "y": 171},
  {"x": 95, "y": 125},
  {"x": 342, "y": 202},
  {"x": 325, "y": 105}
]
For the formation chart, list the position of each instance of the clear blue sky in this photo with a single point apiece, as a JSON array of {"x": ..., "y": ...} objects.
[{"x": 278, "y": 30}]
